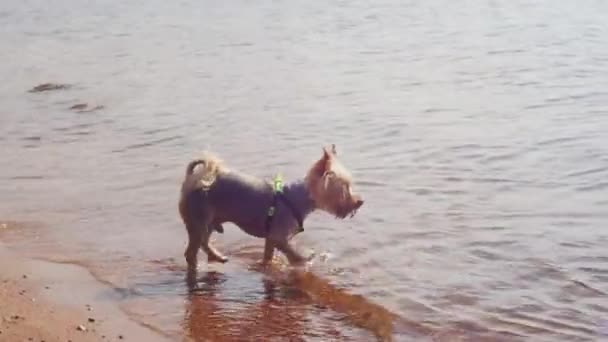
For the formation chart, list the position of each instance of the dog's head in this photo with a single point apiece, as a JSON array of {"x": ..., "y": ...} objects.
[{"x": 330, "y": 186}]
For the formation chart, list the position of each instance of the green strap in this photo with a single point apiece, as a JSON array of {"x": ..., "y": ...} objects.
[
  {"x": 278, "y": 183},
  {"x": 278, "y": 194},
  {"x": 277, "y": 188}
]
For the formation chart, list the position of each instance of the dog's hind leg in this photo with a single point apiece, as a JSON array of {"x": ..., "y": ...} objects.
[
  {"x": 194, "y": 238},
  {"x": 213, "y": 255}
]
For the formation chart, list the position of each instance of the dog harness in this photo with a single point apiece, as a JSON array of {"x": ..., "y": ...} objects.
[{"x": 278, "y": 194}]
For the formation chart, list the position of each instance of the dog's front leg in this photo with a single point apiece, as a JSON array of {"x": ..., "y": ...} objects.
[
  {"x": 268, "y": 252},
  {"x": 292, "y": 255}
]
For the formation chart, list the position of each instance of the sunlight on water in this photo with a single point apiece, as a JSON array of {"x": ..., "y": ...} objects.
[{"x": 475, "y": 132}]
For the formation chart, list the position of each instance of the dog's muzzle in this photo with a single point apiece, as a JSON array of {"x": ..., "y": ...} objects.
[{"x": 345, "y": 211}]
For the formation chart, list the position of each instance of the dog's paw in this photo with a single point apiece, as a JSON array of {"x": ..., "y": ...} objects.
[{"x": 217, "y": 258}]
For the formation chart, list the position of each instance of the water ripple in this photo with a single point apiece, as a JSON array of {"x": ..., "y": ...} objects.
[{"x": 476, "y": 135}]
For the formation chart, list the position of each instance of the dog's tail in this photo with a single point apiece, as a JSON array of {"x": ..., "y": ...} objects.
[
  {"x": 193, "y": 164},
  {"x": 210, "y": 164},
  {"x": 208, "y": 167}
]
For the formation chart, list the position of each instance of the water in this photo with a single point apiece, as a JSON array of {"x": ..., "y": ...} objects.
[{"x": 476, "y": 131}]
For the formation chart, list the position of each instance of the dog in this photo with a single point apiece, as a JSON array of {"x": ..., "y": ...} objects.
[{"x": 212, "y": 194}]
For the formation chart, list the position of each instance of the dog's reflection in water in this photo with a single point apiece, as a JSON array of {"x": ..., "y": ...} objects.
[
  {"x": 279, "y": 314},
  {"x": 292, "y": 300}
]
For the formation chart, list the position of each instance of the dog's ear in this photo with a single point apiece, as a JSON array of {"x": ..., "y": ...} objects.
[
  {"x": 330, "y": 151},
  {"x": 324, "y": 164}
]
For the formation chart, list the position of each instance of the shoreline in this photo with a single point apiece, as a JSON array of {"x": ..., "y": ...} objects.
[{"x": 46, "y": 301}]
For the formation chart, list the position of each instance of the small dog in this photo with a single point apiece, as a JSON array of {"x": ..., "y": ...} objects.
[{"x": 211, "y": 195}]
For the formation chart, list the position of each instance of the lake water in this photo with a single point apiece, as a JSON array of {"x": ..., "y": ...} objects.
[{"x": 475, "y": 130}]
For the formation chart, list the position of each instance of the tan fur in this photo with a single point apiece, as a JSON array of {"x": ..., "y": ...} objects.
[
  {"x": 201, "y": 172},
  {"x": 330, "y": 185}
]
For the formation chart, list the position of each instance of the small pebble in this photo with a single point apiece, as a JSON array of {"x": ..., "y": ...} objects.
[
  {"x": 81, "y": 328},
  {"x": 92, "y": 320},
  {"x": 24, "y": 276},
  {"x": 120, "y": 337}
]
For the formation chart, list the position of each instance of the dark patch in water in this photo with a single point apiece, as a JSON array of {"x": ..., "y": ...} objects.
[{"x": 49, "y": 86}]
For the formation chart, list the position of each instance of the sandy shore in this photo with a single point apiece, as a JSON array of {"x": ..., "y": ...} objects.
[
  {"x": 43, "y": 301},
  {"x": 26, "y": 317}
]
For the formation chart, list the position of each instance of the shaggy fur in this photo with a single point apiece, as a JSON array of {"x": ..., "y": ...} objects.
[{"x": 211, "y": 195}]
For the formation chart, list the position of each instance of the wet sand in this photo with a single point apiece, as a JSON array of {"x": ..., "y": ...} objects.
[
  {"x": 56, "y": 300},
  {"x": 43, "y": 301},
  {"x": 25, "y": 316}
]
